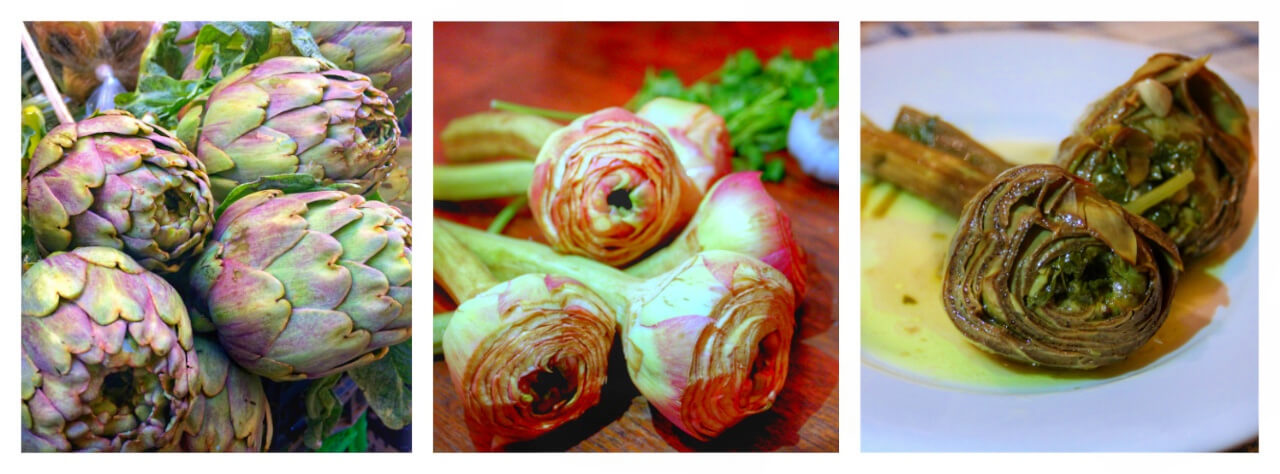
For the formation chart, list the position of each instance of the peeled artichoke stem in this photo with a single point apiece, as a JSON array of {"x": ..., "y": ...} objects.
[
  {"x": 939, "y": 177},
  {"x": 481, "y": 180},
  {"x": 706, "y": 343},
  {"x": 459, "y": 272}
]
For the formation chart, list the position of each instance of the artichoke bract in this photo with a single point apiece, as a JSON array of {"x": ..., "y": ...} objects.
[
  {"x": 230, "y": 412},
  {"x": 293, "y": 115},
  {"x": 707, "y": 342},
  {"x": 526, "y": 355},
  {"x": 108, "y": 359},
  {"x": 397, "y": 188},
  {"x": 698, "y": 135},
  {"x": 739, "y": 216},
  {"x": 1046, "y": 271},
  {"x": 381, "y": 50},
  {"x": 115, "y": 181},
  {"x": 610, "y": 186},
  {"x": 1173, "y": 119},
  {"x": 309, "y": 284}
]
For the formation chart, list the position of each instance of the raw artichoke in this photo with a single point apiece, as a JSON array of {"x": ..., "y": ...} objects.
[
  {"x": 698, "y": 135},
  {"x": 108, "y": 360},
  {"x": 293, "y": 115},
  {"x": 736, "y": 215},
  {"x": 115, "y": 181},
  {"x": 381, "y": 50},
  {"x": 526, "y": 355},
  {"x": 230, "y": 412},
  {"x": 1173, "y": 117},
  {"x": 1046, "y": 271},
  {"x": 609, "y": 186},
  {"x": 309, "y": 284},
  {"x": 397, "y": 188},
  {"x": 707, "y": 343}
]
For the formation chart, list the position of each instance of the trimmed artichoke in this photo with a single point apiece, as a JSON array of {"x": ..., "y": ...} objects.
[
  {"x": 526, "y": 355},
  {"x": 1172, "y": 144},
  {"x": 293, "y": 115},
  {"x": 1046, "y": 271},
  {"x": 108, "y": 360},
  {"x": 306, "y": 285},
  {"x": 698, "y": 136},
  {"x": 381, "y": 50},
  {"x": 115, "y": 181},
  {"x": 230, "y": 412},
  {"x": 610, "y": 186},
  {"x": 397, "y": 189},
  {"x": 707, "y": 343}
]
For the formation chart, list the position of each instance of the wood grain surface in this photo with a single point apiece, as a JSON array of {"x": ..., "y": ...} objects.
[{"x": 584, "y": 67}]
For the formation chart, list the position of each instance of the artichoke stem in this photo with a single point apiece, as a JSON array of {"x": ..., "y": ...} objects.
[
  {"x": 946, "y": 180},
  {"x": 439, "y": 322},
  {"x": 458, "y": 270},
  {"x": 508, "y": 256},
  {"x": 481, "y": 180},
  {"x": 525, "y": 109}
]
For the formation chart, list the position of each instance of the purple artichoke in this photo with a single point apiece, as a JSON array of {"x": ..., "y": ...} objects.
[
  {"x": 305, "y": 285},
  {"x": 293, "y": 115},
  {"x": 381, "y": 50},
  {"x": 115, "y": 181},
  {"x": 108, "y": 360},
  {"x": 230, "y": 412}
]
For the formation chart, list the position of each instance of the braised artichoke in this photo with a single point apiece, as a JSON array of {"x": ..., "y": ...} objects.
[
  {"x": 293, "y": 115},
  {"x": 108, "y": 360},
  {"x": 230, "y": 412},
  {"x": 115, "y": 181},
  {"x": 309, "y": 284},
  {"x": 609, "y": 186},
  {"x": 1046, "y": 271},
  {"x": 1172, "y": 144}
]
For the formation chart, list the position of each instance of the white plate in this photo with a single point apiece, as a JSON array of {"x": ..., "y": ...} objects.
[{"x": 1032, "y": 86}]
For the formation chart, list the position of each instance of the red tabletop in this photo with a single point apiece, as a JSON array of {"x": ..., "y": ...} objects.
[{"x": 583, "y": 67}]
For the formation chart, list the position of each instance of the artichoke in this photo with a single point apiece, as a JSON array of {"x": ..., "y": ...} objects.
[
  {"x": 293, "y": 115},
  {"x": 397, "y": 188},
  {"x": 1172, "y": 144},
  {"x": 115, "y": 181},
  {"x": 610, "y": 186},
  {"x": 305, "y": 285},
  {"x": 108, "y": 360},
  {"x": 380, "y": 50},
  {"x": 527, "y": 355},
  {"x": 707, "y": 342},
  {"x": 698, "y": 135},
  {"x": 230, "y": 412},
  {"x": 1046, "y": 271},
  {"x": 736, "y": 215}
]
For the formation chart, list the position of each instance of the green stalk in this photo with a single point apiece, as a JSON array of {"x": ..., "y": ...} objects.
[
  {"x": 525, "y": 109},
  {"x": 481, "y": 180},
  {"x": 439, "y": 322},
  {"x": 510, "y": 257},
  {"x": 458, "y": 270},
  {"x": 1160, "y": 193},
  {"x": 507, "y": 213}
]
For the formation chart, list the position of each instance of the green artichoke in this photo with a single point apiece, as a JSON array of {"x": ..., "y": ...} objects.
[
  {"x": 108, "y": 360},
  {"x": 309, "y": 284},
  {"x": 115, "y": 181},
  {"x": 293, "y": 115},
  {"x": 380, "y": 50},
  {"x": 230, "y": 412},
  {"x": 397, "y": 189}
]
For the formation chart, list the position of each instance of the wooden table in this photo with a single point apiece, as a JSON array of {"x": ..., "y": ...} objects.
[{"x": 584, "y": 67}]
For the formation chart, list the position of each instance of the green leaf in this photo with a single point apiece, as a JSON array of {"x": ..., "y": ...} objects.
[
  {"x": 387, "y": 385},
  {"x": 774, "y": 171},
  {"x": 352, "y": 439},
  {"x": 323, "y": 410}
]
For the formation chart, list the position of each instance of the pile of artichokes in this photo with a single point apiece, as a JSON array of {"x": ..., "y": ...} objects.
[{"x": 178, "y": 284}]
